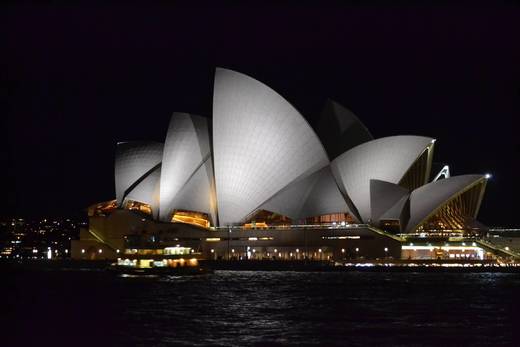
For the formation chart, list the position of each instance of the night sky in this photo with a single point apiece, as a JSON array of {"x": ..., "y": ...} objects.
[{"x": 79, "y": 79}]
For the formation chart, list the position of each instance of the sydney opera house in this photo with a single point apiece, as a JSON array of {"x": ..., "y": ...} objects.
[{"x": 256, "y": 181}]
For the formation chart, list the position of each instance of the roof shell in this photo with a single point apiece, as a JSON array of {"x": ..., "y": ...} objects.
[
  {"x": 134, "y": 160},
  {"x": 340, "y": 130},
  {"x": 261, "y": 144},
  {"x": 386, "y": 159},
  {"x": 147, "y": 191},
  {"x": 198, "y": 193},
  {"x": 314, "y": 195},
  {"x": 186, "y": 149},
  {"x": 426, "y": 199},
  {"x": 383, "y": 197}
]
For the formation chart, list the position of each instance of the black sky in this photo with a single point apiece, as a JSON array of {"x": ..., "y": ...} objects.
[{"x": 80, "y": 78}]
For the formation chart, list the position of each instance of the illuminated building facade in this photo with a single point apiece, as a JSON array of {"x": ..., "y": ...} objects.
[{"x": 257, "y": 169}]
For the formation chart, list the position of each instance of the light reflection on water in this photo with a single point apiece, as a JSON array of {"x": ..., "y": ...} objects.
[{"x": 237, "y": 308}]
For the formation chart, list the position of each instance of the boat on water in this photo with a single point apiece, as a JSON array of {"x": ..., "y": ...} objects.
[
  {"x": 170, "y": 261},
  {"x": 166, "y": 270}
]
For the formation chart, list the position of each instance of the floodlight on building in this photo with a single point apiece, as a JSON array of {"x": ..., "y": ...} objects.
[{"x": 488, "y": 176}]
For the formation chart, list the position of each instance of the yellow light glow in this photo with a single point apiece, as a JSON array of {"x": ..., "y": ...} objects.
[
  {"x": 255, "y": 225},
  {"x": 191, "y": 218}
]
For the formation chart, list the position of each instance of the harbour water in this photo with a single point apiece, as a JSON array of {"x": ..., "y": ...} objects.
[{"x": 243, "y": 308}]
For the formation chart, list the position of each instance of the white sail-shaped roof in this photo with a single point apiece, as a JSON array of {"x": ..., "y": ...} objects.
[
  {"x": 198, "y": 193},
  {"x": 325, "y": 197},
  {"x": 290, "y": 200},
  {"x": 133, "y": 161},
  {"x": 386, "y": 159},
  {"x": 186, "y": 149},
  {"x": 147, "y": 191},
  {"x": 261, "y": 143},
  {"x": 426, "y": 199},
  {"x": 314, "y": 195},
  {"x": 383, "y": 197}
]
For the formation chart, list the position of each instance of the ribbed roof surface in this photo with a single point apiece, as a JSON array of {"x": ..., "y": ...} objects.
[
  {"x": 261, "y": 144},
  {"x": 133, "y": 161},
  {"x": 429, "y": 197},
  {"x": 386, "y": 159},
  {"x": 185, "y": 150}
]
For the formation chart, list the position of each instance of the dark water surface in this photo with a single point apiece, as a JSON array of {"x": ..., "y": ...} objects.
[{"x": 232, "y": 308}]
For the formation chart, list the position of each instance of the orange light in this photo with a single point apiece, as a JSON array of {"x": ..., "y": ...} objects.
[
  {"x": 257, "y": 225},
  {"x": 188, "y": 218},
  {"x": 138, "y": 206}
]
